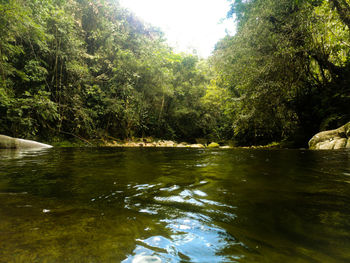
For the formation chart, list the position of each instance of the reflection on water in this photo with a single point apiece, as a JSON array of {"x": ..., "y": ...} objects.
[
  {"x": 174, "y": 205},
  {"x": 20, "y": 153}
]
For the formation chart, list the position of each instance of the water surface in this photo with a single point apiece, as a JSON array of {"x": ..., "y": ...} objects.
[{"x": 177, "y": 205}]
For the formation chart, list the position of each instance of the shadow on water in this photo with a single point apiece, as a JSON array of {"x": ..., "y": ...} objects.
[{"x": 174, "y": 205}]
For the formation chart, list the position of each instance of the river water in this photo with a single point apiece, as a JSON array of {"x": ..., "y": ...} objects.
[{"x": 174, "y": 205}]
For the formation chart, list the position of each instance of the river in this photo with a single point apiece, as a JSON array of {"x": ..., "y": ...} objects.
[{"x": 174, "y": 205}]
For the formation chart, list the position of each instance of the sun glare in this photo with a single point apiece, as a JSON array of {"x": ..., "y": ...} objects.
[{"x": 188, "y": 24}]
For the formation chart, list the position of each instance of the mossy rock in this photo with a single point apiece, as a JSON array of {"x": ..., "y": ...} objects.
[
  {"x": 213, "y": 145},
  {"x": 333, "y": 139}
]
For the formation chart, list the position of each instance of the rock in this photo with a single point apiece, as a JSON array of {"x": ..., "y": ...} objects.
[
  {"x": 333, "y": 139},
  {"x": 182, "y": 145},
  {"x": 340, "y": 143},
  {"x": 7, "y": 142},
  {"x": 197, "y": 145},
  {"x": 348, "y": 143},
  {"x": 327, "y": 145},
  {"x": 165, "y": 143},
  {"x": 168, "y": 144},
  {"x": 213, "y": 145}
]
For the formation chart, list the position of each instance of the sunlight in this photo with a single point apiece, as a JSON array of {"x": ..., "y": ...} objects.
[{"x": 188, "y": 24}]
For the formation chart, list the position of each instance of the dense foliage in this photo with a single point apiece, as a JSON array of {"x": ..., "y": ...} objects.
[
  {"x": 287, "y": 69},
  {"x": 91, "y": 69}
]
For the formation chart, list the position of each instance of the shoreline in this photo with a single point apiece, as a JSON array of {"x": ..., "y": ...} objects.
[
  {"x": 160, "y": 144},
  {"x": 163, "y": 144}
]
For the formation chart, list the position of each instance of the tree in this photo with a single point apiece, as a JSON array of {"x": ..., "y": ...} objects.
[{"x": 286, "y": 68}]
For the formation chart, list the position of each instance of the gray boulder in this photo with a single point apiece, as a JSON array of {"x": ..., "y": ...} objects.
[
  {"x": 7, "y": 142},
  {"x": 332, "y": 140}
]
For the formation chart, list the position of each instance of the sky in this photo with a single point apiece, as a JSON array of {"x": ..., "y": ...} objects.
[{"x": 187, "y": 24}]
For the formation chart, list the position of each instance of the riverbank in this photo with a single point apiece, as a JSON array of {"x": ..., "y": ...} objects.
[
  {"x": 163, "y": 144},
  {"x": 159, "y": 143},
  {"x": 139, "y": 142}
]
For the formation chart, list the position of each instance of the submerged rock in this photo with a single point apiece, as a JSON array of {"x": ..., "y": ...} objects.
[
  {"x": 7, "y": 142},
  {"x": 332, "y": 140}
]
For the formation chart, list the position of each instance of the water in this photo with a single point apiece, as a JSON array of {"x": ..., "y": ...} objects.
[{"x": 174, "y": 205}]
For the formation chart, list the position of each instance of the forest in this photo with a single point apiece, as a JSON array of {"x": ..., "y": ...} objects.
[{"x": 91, "y": 70}]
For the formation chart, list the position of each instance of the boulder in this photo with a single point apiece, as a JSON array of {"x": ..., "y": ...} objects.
[
  {"x": 332, "y": 140},
  {"x": 213, "y": 145},
  {"x": 7, "y": 142}
]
